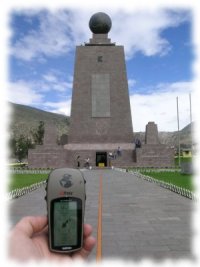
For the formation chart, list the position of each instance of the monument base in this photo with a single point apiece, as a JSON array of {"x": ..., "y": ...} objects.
[
  {"x": 47, "y": 157},
  {"x": 116, "y": 154},
  {"x": 101, "y": 155}
]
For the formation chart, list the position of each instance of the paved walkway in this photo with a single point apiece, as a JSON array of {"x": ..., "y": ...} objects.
[{"x": 139, "y": 219}]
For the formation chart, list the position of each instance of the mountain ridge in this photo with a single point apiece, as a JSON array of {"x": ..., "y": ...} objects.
[{"x": 25, "y": 119}]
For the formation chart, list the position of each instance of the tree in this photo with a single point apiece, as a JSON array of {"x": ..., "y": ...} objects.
[
  {"x": 21, "y": 147},
  {"x": 38, "y": 135}
]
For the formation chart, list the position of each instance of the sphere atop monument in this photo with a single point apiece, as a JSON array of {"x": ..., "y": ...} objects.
[{"x": 100, "y": 23}]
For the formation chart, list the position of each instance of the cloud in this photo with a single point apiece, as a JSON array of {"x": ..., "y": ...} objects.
[
  {"x": 131, "y": 83},
  {"x": 60, "y": 31},
  {"x": 22, "y": 93},
  {"x": 25, "y": 93},
  {"x": 50, "y": 77},
  {"x": 160, "y": 106},
  {"x": 63, "y": 107},
  {"x": 51, "y": 38},
  {"x": 141, "y": 31},
  {"x": 53, "y": 81},
  {"x": 35, "y": 91}
]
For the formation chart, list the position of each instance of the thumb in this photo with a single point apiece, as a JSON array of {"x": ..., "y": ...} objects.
[{"x": 31, "y": 225}]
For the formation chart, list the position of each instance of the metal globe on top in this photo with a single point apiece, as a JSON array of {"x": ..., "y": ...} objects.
[{"x": 100, "y": 23}]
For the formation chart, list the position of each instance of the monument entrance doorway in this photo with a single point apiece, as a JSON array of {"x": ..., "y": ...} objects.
[{"x": 101, "y": 159}]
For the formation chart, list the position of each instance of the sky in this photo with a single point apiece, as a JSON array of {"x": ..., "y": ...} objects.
[{"x": 159, "y": 55}]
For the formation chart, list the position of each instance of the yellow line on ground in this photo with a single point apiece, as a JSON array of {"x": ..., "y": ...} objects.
[{"x": 99, "y": 226}]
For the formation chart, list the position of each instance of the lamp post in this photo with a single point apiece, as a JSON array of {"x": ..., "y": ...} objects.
[
  {"x": 179, "y": 148},
  {"x": 191, "y": 119}
]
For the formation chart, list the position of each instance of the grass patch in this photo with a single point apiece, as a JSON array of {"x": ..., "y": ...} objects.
[
  {"x": 176, "y": 178},
  {"x": 21, "y": 180}
]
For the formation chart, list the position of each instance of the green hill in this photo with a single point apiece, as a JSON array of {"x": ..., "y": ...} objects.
[{"x": 25, "y": 119}]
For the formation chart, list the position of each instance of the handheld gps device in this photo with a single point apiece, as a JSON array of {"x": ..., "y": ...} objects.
[{"x": 65, "y": 207}]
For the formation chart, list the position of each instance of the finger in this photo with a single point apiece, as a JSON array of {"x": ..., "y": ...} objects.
[
  {"x": 45, "y": 229},
  {"x": 89, "y": 244},
  {"x": 87, "y": 230},
  {"x": 31, "y": 225}
]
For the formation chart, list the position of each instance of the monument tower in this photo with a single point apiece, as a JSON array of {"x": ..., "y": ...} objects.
[
  {"x": 100, "y": 110},
  {"x": 100, "y": 102}
]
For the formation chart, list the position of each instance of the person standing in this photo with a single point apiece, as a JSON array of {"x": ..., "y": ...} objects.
[
  {"x": 78, "y": 161},
  {"x": 110, "y": 156},
  {"x": 87, "y": 163},
  {"x": 119, "y": 151}
]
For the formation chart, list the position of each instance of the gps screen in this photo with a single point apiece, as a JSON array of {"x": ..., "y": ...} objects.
[{"x": 65, "y": 223}]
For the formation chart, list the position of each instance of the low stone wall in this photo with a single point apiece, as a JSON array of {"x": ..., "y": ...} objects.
[
  {"x": 155, "y": 156},
  {"x": 47, "y": 157}
]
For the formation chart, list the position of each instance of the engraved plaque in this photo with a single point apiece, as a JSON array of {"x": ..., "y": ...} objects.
[{"x": 100, "y": 85}]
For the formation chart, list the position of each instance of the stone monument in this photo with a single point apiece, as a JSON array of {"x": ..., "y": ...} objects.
[
  {"x": 151, "y": 134},
  {"x": 152, "y": 153},
  {"x": 100, "y": 111},
  {"x": 100, "y": 123},
  {"x": 48, "y": 155}
]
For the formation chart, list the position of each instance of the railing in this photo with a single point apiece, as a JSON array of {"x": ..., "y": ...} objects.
[
  {"x": 25, "y": 190},
  {"x": 33, "y": 171},
  {"x": 149, "y": 169}
]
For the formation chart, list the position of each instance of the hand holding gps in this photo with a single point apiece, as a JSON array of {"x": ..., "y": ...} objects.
[{"x": 65, "y": 207}]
